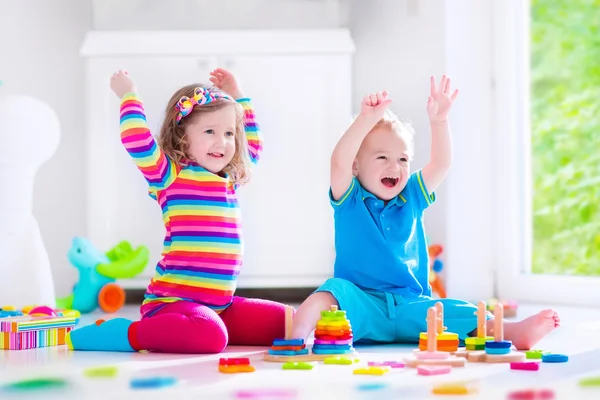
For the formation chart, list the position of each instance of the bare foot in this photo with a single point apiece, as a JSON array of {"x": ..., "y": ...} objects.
[{"x": 527, "y": 333}]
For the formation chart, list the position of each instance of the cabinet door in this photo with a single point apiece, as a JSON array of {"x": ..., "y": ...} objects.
[
  {"x": 302, "y": 104},
  {"x": 119, "y": 207}
]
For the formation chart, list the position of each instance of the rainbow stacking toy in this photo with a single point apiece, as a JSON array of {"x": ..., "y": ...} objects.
[
  {"x": 333, "y": 337},
  {"x": 333, "y": 334}
]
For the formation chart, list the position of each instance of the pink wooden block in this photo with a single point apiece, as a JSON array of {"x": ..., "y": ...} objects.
[
  {"x": 391, "y": 364},
  {"x": 433, "y": 369},
  {"x": 525, "y": 366},
  {"x": 336, "y": 342},
  {"x": 431, "y": 355}
]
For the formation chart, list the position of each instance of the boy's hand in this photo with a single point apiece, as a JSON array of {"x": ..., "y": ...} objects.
[
  {"x": 374, "y": 105},
  {"x": 225, "y": 81},
  {"x": 121, "y": 83},
  {"x": 440, "y": 101}
]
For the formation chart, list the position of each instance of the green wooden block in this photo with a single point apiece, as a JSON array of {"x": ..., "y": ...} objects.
[{"x": 298, "y": 365}]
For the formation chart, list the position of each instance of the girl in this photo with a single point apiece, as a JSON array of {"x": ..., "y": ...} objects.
[{"x": 207, "y": 142}]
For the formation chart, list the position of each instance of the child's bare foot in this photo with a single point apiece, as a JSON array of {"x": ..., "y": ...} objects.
[{"x": 527, "y": 333}]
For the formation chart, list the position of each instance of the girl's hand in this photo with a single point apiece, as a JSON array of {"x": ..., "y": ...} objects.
[
  {"x": 121, "y": 83},
  {"x": 225, "y": 81},
  {"x": 440, "y": 101},
  {"x": 374, "y": 105}
]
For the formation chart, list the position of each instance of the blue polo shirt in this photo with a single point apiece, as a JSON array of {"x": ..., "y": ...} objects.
[{"x": 383, "y": 247}]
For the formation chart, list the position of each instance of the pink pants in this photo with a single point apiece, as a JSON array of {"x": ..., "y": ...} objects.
[{"x": 186, "y": 327}]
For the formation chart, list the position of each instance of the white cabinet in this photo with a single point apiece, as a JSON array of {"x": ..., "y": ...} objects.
[{"x": 300, "y": 83}]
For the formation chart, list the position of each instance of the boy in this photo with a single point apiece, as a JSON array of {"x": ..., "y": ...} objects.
[{"x": 381, "y": 276}]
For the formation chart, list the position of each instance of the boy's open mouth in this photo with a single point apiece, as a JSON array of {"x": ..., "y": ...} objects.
[
  {"x": 216, "y": 155},
  {"x": 389, "y": 182}
]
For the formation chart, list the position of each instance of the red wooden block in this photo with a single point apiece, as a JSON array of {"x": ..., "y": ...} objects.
[
  {"x": 294, "y": 348},
  {"x": 234, "y": 361}
]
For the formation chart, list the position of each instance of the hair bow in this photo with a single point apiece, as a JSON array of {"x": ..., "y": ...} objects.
[{"x": 185, "y": 105}]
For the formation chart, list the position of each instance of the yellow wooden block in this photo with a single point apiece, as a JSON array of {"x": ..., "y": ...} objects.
[
  {"x": 324, "y": 323},
  {"x": 372, "y": 370},
  {"x": 441, "y": 336},
  {"x": 453, "y": 388}
]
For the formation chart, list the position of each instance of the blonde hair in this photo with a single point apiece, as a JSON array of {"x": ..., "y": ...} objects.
[
  {"x": 403, "y": 128},
  {"x": 172, "y": 139}
]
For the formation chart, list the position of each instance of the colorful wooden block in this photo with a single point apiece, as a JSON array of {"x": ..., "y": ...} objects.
[
  {"x": 289, "y": 348},
  {"x": 442, "y": 345},
  {"x": 555, "y": 358},
  {"x": 428, "y": 370},
  {"x": 302, "y": 365},
  {"x": 525, "y": 366},
  {"x": 340, "y": 360},
  {"x": 287, "y": 352},
  {"x": 234, "y": 361},
  {"x": 233, "y": 369},
  {"x": 335, "y": 342},
  {"x": 535, "y": 354},
  {"x": 453, "y": 389},
  {"x": 391, "y": 364},
  {"x": 497, "y": 351},
  {"x": 371, "y": 370},
  {"x": 502, "y": 344},
  {"x": 288, "y": 342},
  {"x": 531, "y": 394},
  {"x": 590, "y": 381},
  {"x": 478, "y": 340}
]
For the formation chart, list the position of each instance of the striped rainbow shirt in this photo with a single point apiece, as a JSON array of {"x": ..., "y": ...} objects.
[{"x": 203, "y": 246}]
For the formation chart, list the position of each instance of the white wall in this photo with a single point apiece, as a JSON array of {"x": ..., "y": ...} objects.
[
  {"x": 215, "y": 14},
  {"x": 39, "y": 44}
]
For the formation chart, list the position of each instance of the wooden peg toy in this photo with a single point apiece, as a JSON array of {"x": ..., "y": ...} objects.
[
  {"x": 477, "y": 343},
  {"x": 431, "y": 356},
  {"x": 289, "y": 313},
  {"x": 446, "y": 341},
  {"x": 333, "y": 336},
  {"x": 497, "y": 350}
]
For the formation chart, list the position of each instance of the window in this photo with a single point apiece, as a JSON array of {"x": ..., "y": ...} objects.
[{"x": 547, "y": 86}]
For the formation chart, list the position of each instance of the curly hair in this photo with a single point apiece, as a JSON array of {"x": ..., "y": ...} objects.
[{"x": 172, "y": 139}]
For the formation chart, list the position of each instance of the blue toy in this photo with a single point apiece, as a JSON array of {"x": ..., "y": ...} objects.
[{"x": 97, "y": 275}]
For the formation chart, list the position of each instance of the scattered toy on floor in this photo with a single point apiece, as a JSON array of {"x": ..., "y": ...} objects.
[
  {"x": 30, "y": 332},
  {"x": 97, "y": 275},
  {"x": 525, "y": 366},
  {"x": 235, "y": 365},
  {"x": 497, "y": 350},
  {"x": 432, "y": 356},
  {"x": 298, "y": 365},
  {"x": 333, "y": 336},
  {"x": 152, "y": 382}
]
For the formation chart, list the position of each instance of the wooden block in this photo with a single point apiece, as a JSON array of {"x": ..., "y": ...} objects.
[
  {"x": 440, "y": 336},
  {"x": 428, "y": 370},
  {"x": 481, "y": 356},
  {"x": 305, "y": 357},
  {"x": 476, "y": 356},
  {"x": 452, "y": 361}
]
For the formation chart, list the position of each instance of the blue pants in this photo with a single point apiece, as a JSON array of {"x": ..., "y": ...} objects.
[{"x": 391, "y": 318}]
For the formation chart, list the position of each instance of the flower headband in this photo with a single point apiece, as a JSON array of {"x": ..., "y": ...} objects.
[{"x": 185, "y": 105}]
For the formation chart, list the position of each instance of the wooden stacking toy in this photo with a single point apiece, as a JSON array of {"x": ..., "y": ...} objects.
[
  {"x": 497, "y": 350},
  {"x": 431, "y": 356},
  {"x": 333, "y": 337},
  {"x": 446, "y": 341}
]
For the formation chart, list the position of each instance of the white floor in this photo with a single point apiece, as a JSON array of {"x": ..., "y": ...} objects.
[{"x": 197, "y": 376}]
